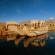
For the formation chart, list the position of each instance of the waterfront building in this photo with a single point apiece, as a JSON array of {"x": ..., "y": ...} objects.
[{"x": 11, "y": 26}]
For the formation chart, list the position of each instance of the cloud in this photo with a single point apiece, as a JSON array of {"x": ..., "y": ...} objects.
[{"x": 51, "y": 18}]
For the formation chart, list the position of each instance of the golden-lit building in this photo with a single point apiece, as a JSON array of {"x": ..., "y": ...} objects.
[
  {"x": 51, "y": 25},
  {"x": 28, "y": 25},
  {"x": 2, "y": 25},
  {"x": 11, "y": 26}
]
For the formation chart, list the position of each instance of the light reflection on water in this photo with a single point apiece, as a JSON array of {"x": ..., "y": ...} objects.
[{"x": 50, "y": 42}]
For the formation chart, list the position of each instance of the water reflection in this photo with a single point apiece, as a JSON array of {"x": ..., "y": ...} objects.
[{"x": 49, "y": 42}]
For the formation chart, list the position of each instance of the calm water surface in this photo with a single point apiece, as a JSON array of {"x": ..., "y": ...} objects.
[
  {"x": 48, "y": 49},
  {"x": 50, "y": 42}
]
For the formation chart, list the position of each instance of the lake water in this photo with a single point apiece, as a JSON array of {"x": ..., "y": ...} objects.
[
  {"x": 50, "y": 41},
  {"x": 48, "y": 49}
]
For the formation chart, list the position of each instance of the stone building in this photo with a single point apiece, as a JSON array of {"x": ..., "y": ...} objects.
[
  {"x": 11, "y": 26},
  {"x": 51, "y": 25},
  {"x": 2, "y": 25}
]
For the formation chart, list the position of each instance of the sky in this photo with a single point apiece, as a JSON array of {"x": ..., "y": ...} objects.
[{"x": 20, "y": 10}]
